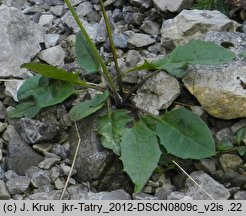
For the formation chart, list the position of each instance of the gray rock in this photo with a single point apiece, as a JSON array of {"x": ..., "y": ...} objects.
[
  {"x": 138, "y": 39},
  {"x": 172, "y": 5},
  {"x": 120, "y": 41},
  {"x": 4, "y": 193},
  {"x": 20, "y": 40},
  {"x": 238, "y": 125},
  {"x": 91, "y": 28},
  {"x": 2, "y": 110},
  {"x": 20, "y": 4},
  {"x": 59, "y": 184},
  {"x": 51, "y": 40},
  {"x": 11, "y": 88},
  {"x": 143, "y": 196},
  {"x": 218, "y": 88},
  {"x": 240, "y": 195},
  {"x": 113, "y": 195},
  {"x": 54, "y": 2},
  {"x": 52, "y": 195},
  {"x": 66, "y": 169},
  {"x": 132, "y": 16},
  {"x": 95, "y": 164},
  {"x": 57, "y": 10},
  {"x": 61, "y": 150},
  {"x": 207, "y": 165},
  {"x": 215, "y": 189},
  {"x": 20, "y": 156},
  {"x": 54, "y": 173},
  {"x": 40, "y": 178},
  {"x": 84, "y": 8},
  {"x": 133, "y": 57},
  {"x": 150, "y": 27},
  {"x": 157, "y": 93},
  {"x": 42, "y": 148},
  {"x": 141, "y": 3},
  {"x": 76, "y": 2},
  {"x": 230, "y": 162},
  {"x": 191, "y": 24},
  {"x": 1, "y": 173},
  {"x": 78, "y": 192},
  {"x": 48, "y": 163},
  {"x": 10, "y": 174},
  {"x": 53, "y": 56},
  {"x": 3, "y": 126},
  {"x": 18, "y": 185},
  {"x": 34, "y": 131},
  {"x": 46, "y": 20},
  {"x": 224, "y": 135}
]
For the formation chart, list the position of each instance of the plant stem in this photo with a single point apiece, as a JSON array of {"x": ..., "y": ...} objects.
[
  {"x": 94, "y": 49},
  {"x": 111, "y": 40}
]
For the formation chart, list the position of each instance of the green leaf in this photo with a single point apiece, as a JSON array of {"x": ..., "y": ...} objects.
[
  {"x": 241, "y": 134},
  {"x": 194, "y": 52},
  {"x": 99, "y": 98},
  {"x": 140, "y": 154},
  {"x": 87, "y": 107},
  {"x": 183, "y": 134},
  {"x": 241, "y": 150},
  {"x": 224, "y": 146},
  {"x": 85, "y": 56},
  {"x": 55, "y": 93},
  {"x": 27, "y": 109},
  {"x": 38, "y": 92},
  {"x": 243, "y": 53},
  {"x": 54, "y": 73},
  {"x": 110, "y": 128}
]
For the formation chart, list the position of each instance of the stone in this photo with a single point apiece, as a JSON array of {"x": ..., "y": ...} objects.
[
  {"x": 207, "y": 165},
  {"x": 10, "y": 174},
  {"x": 78, "y": 192},
  {"x": 91, "y": 28},
  {"x": 58, "y": 184},
  {"x": 132, "y": 58},
  {"x": 150, "y": 27},
  {"x": 120, "y": 41},
  {"x": 143, "y": 196},
  {"x": 94, "y": 163},
  {"x": 48, "y": 163},
  {"x": 53, "y": 55},
  {"x": 52, "y": 195},
  {"x": 191, "y": 24},
  {"x": 51, "y": 40},
  {"x": 46, "y": 20},
  {"x": 42, "y": 148},
  {"x": 84, "y": 8},
  {"x": 238, "y": 125},
  {"x": 219, "y": 88},
  {"x": 20, "y": 156},
  {"x": 4, "y": 193},
  {"x": 66, "y": 170},
  {"x": 230, "y": 162},
  {"x": 54, "y": 173},
  {"x": 57, "y": 10},
  {"x": 40, "y": 178},
  {"x": 138, "y": 39},
  {"x": 2, "y": 110},
  {"x": 61, "y": 150},
  {"x": 157, "y": 93},
  {"x": 1, "y": 173},
  {"x": 224, "y": 135},
  {"x": 18, "y": 185},
  {"x": 3, "y": 126},
  {"x": 162, "y": 192},
  {"x": 240, "y": 195},
  {"x": 212, "y": 187},
  {"x": 142, "y": 3},
  {"x": 133, "y": 15},
  {"x": 34, "y": 131},
  {"x": 11, "y": 88},
  {"x": 172, "y": 5},
  {"x": 113, "y": 195},
  {"x": 54, "y": 2}
]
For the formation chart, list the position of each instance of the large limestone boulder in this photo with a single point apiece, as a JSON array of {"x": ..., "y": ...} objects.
[
  {"x": 221, "y": 89},
  {"x": 20, "y": 40},
  {"x": 191, "y": 24}
]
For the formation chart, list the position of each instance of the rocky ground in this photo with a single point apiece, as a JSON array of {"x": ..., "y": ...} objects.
[{"x": 36, "y": 154}]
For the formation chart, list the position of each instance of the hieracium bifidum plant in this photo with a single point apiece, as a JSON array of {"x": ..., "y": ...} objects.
[{"x": 138, "y": 141}]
